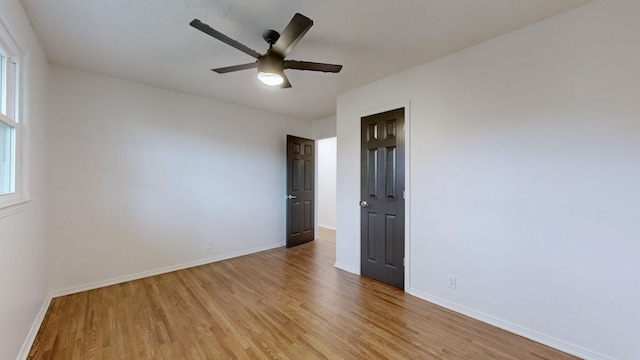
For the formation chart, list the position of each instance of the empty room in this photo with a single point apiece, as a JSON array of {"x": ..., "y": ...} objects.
[{"x": 165, "y": 191}]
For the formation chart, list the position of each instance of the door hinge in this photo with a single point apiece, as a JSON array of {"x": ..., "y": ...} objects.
[
  {"x": 402, "y": 261},
  {"x": 404, "y": 194}
]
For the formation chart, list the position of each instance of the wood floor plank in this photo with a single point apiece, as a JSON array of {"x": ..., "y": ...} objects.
[{"x": 278, "y": 304}]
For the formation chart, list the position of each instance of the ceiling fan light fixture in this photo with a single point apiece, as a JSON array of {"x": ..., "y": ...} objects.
[
  {"x": 270, "y": 70},
  {"x": 271, "y": 79}
]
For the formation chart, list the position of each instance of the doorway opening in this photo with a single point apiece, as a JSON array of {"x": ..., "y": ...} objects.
[{"x": 327, "y": 179}]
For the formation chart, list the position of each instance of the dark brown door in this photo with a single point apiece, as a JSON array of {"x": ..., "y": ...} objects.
[
  {"x": 300, "y": 190},
  {"x": 382, "y": 197}
]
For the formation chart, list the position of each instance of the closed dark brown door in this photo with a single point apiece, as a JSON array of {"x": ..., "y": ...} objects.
[
  {"x": 382, "y": 197},
  {"x": 300, "y": 190}
]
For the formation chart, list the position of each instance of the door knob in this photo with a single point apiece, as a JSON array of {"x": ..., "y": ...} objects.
[
  {"x": 291, "y": 197},
  {"x": 364, "y": 204}
]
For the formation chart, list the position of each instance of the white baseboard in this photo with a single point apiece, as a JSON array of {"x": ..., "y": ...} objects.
[
  {"x": 346, "y": 268},
  {"x": 327, "y": 227},
  {"x": 35, "y": 327},
  {"x": 164, "y": 270},
  {"x": 513, "y": 328}
]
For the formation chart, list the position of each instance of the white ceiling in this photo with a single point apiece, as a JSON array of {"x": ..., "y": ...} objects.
[{"x": 151, "y": 42}]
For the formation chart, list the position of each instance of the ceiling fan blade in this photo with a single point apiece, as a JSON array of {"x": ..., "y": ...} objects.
[
  {"x": 286, "y": 83},
  {"x": 298, "y": 26},
  {"x": 224, "y": 38},
  {"x": 311, "y": 66},
  {"x": 228, "y": 69}
]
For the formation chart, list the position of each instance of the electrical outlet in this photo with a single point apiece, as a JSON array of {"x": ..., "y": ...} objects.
[
  {"x": 452, "y": 281},
  {"x": 211, "y": 244}
]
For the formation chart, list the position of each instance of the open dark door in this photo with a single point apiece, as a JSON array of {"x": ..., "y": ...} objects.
[
  {"x": 300, "y": 190},
  {"x": 382, "y": 197}
]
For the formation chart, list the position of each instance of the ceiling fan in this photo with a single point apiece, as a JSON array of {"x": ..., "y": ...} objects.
[{"x": 272, "y": 64}]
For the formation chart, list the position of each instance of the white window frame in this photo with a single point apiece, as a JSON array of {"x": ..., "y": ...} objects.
[{"x": 13, "y": 93}]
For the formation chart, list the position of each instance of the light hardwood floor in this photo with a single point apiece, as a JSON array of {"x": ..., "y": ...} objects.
[{"x": 277, "y": 304}]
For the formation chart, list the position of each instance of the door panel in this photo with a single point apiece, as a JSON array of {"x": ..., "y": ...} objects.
[
  {"x": 300, "y": 190},
  {"x": 371, "y": 237},
  {"x": 382, "y": 189}
]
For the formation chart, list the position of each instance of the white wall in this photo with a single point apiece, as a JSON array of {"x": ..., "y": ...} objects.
[
  {"x": 524, "y": 171},
  {"x": 324, "y": 128},
  {"x": 327, "y": 183},
  {"x": 144, "y": 179},
  {"x": 23, "y": 259}
]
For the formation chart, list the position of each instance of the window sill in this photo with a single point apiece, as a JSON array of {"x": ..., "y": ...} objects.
[{"x": 13, "y": 207}]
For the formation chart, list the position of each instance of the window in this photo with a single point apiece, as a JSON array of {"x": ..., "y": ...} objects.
[
  {"x": 10, "y": 122},
  {"x": 7, "y": 158}
]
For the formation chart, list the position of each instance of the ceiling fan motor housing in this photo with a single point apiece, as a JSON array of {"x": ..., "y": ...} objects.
[{"x": 270, "y": 64}]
